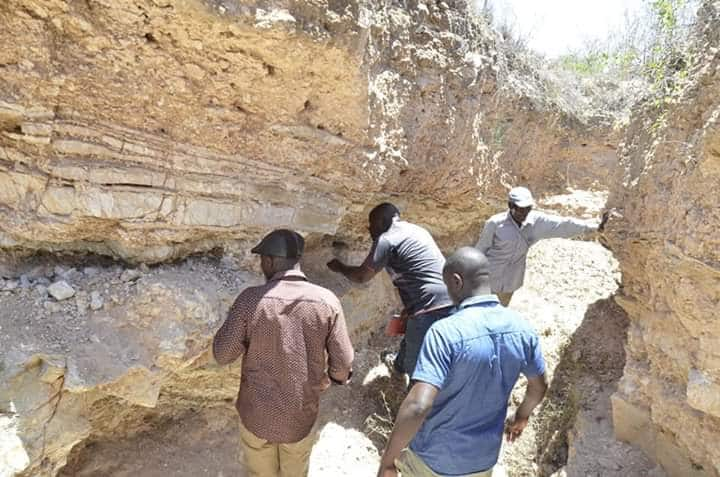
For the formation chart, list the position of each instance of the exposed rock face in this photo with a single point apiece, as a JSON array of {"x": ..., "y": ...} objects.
[
  {"x": 669, "y": 249},
  {"x": 69, "y": 378},
  {"x": 150, "y": 129}
]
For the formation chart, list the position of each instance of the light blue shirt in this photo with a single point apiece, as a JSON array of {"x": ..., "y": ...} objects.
[
  {"x": 506, "y": 245},
  {"x": 474, "y": 357}
]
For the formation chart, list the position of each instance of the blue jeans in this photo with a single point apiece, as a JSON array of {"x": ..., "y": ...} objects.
[{"x": 414, "y": 334}]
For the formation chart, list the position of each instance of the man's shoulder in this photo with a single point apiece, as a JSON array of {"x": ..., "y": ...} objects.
[
  {"x": 409, "y": 231},
  {"x": 495, "y": 320},
  {"x": 451, "y": 329},
  {"x": 252, "y": 292},
  {"x": 311, "y": 292},
  {"x": 402, "y": 228},
  {"x": 321, "y": 294},
  {"x": 498, "y": 218}
]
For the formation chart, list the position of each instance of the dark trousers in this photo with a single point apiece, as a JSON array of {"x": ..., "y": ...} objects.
[{"x": 414, "y": 334}]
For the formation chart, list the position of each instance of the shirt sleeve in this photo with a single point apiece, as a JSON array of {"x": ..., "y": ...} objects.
[
  {"x": 553, "y": 226},
  {"x": 534, "y": 361},
  {"x": 433, "y": 364},
  {"x": 379, "y": 254},
  {"x": 339, "y": 347},
  {"x": 486, "y": 237},
  {"x": 229, "y": 341}
]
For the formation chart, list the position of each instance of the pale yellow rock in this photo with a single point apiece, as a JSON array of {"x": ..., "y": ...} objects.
[
  {"x": 703, "y": 393},
  {"x": 239, "y": 120},
  {"x": 669, "y": 250},
  {"x": 17, "y": 188},
  {"x": 633, "y": 424},
  {"x": 138, "y": 386},
  {"x": 59, "y": 200}
]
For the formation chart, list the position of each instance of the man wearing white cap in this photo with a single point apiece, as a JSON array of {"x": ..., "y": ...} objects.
[{"x": 507, "y": 236}]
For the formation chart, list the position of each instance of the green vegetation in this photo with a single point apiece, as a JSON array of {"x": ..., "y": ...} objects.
[{"x": 652, "y": 47}]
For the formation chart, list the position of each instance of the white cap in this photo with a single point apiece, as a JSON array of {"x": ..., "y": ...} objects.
[{"x": 521, "y": 197}]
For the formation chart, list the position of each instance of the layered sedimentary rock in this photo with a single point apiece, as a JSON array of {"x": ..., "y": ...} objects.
[
  {"x": 149, "y": 129},
  {"x": 669, "y": 248}
]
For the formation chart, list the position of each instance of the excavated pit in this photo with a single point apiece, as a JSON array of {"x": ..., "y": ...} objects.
[
  {"x": 137, "y": 403},
  {"x": 150, "y": 130}
]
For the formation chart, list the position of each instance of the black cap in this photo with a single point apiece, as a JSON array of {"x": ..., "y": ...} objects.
[{"x": 281, "y": 243}]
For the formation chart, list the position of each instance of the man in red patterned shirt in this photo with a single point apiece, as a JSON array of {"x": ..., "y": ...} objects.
[{"x": 294, "y": 340}]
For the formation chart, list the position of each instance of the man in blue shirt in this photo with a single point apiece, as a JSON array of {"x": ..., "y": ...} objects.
[{"x": 454, "y": 416}]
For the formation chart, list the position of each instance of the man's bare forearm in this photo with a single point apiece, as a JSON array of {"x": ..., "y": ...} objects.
[
  {"x": 357, "y": 274},
  {"x": 533, "y": 396},
  {"x": 407, "y": 423},
  {"x": 410, "y": 417}
]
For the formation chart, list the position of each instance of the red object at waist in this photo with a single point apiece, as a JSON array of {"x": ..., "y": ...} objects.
[
  {"x": 396, "y": 326},
  {"x": 398, "y": 323}
]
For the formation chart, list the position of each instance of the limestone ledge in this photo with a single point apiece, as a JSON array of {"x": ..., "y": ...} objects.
[{"x": 151, "y": 189}]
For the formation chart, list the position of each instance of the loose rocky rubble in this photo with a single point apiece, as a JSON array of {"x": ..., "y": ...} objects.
[{"x": 125, "y": 341}]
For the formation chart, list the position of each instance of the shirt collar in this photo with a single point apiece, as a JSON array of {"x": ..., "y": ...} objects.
[
  {"x": 478, "y": 300},
  {"x": 288, "y": 274},
  {"x": 528, "y": 221}
]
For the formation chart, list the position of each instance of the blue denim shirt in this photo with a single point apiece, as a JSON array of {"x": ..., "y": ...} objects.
[{"x": 474, "y": 357}]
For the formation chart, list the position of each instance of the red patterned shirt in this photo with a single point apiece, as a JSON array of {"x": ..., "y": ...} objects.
[{"x": 292, "y": 333}]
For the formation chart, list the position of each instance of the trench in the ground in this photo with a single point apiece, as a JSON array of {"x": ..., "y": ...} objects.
[{"x": 567, "y": 298}]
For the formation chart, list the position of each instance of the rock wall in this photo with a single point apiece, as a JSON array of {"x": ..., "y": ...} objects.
[
  {"x": 669, "y": 248},
  {"x": 151, "y": 129},
  {"x": 129, "y": 349}
]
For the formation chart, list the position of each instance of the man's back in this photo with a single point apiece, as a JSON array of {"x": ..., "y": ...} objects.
[
  {"x": 474, "y": 357},
  {"x": 415, "y": 264},
  {"x": 284, "y": 329}
]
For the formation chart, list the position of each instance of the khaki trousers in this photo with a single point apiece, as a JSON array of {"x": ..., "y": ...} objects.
[
  {"x": 504, "y": 298},
  {"x": 411, "y": 465},
  {"x": 267, "y": 459}
]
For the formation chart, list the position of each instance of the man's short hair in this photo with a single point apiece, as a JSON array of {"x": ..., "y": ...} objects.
[
  {"x": 283, "y": 243},
  {"x": 386, "y": 210}
]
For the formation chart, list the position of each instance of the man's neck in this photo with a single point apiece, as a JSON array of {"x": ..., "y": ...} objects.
[
  {"x": 480, "y": 291},
  {"x": 279, "y": 272}
]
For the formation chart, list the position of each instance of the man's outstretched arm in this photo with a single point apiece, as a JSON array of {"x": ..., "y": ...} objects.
[
  {"x": 410, "y": 417},
  {"x": 375, "y": 261},
  {"x": 358, "y": 274},
  {"x": 554, "y": 226}
]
